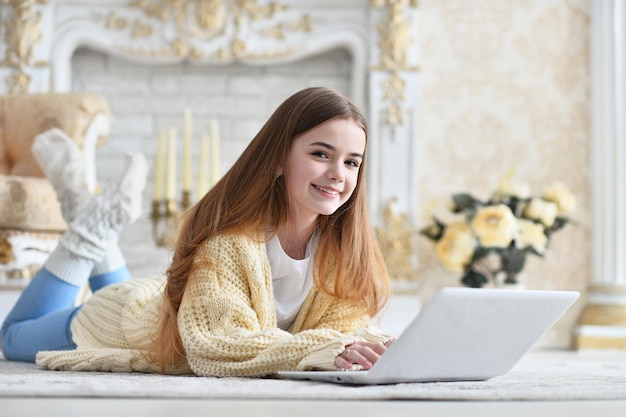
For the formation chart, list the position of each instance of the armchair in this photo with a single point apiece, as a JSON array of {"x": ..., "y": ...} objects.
[{"x": 30, "y": 217}]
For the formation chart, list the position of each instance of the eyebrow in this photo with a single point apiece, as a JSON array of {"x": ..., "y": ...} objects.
[{"x": 332, "y": 148}]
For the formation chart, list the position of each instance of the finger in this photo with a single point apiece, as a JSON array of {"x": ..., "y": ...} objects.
[
  {"x": 355, "y": 356},
  {"x": 369, "y": 354},
  {"x": 379, "y": 348},
  {"x": 342, "y": 363}
]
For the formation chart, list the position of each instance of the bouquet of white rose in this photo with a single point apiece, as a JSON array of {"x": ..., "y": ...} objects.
[{"x": 490, "y": 241}]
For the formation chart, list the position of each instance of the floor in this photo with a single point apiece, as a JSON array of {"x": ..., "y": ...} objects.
[{"x": 156, "y": 407}]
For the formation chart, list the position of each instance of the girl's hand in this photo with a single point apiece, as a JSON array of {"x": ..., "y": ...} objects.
[{"x": 364, "y": 354}]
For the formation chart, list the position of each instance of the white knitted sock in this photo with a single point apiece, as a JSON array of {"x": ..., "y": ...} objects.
[
  {"x": 62, "y": 163},
  {"x": 112, "y": 261},
  {"x": 102, "y": 218},
  {"x": 68, "y": 266}
]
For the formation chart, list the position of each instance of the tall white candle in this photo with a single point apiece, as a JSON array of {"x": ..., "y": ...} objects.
[
  {"x": 203, "y": 172},
  {"x": 159, "y": 168},
  {"x": 215, "y": 152},
  {"x": 187, "y": 135},
  {"x": 171, "y": 166}
]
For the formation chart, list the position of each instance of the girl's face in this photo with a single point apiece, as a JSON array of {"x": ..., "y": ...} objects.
[{"x": 322, "y": 166}]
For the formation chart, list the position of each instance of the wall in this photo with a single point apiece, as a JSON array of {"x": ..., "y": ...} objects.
[{"x": 505, "y": 85}]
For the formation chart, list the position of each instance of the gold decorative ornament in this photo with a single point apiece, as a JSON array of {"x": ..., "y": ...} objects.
[
  {"x": 22, "y": 34},
  {"x": 6, "y": 251},
  {"x": 394, "y": 115},
  {"x": 165, "y": 218},
  {"x": 395, "y": 44},
  {"x": 198, "y": 23},
  {"x": 18, "y": 82},
  {"x": 397, "y": 242},
  {"x": 141, "y": 30},
  {"x": 395, "y": 87},
  {"x": 115, "y": 22}
]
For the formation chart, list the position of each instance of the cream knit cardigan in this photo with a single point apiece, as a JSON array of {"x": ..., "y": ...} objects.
[{"x": 227, "y": 321}]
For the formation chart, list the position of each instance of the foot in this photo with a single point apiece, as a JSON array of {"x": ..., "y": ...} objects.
[
  {"x": 100, "y": 221},
  {"x": 126, "y": 194},
  {"x": 62, "y": 163}
]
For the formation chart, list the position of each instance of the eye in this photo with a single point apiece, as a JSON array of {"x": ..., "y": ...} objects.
[
  {"x": 320, "y": 154},
  {"x": 353, "y": 163}
]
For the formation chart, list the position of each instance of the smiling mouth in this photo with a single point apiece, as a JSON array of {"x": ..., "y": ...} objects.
[{"x": 327, "y": 190}]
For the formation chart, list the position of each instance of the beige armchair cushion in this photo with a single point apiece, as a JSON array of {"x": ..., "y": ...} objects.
[
  {"x": 29, "y": 203},
  {"x": 23, "y": 117}
]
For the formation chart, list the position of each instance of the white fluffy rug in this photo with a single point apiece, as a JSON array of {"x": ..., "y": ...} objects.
[{"x": 538, "y": 376}]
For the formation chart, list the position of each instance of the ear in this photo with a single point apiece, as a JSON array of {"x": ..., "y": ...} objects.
[{"x": 279, "y": 171}]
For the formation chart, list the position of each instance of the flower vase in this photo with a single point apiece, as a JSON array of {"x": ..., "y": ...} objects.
[
  {"x": 511, "y": 286},
  {"x": 510, "y": 282}
]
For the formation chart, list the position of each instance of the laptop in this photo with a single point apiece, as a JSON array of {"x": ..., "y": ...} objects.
[{"x": 461, "y": 334}]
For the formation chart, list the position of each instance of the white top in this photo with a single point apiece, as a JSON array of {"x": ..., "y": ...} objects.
[{"x": 291, "y": 279}]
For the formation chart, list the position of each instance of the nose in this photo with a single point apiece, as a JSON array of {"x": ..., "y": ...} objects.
[{"x": 336, "y": 172}]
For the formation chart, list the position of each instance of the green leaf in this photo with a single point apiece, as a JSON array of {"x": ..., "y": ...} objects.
[
  {"x": 463, "y": 201},
  {"x": 559, "y": 223},
  {"x": 480, "y": 253},
  {"x": 433, "y": 231},
  {"x": 534, "y": 252}
]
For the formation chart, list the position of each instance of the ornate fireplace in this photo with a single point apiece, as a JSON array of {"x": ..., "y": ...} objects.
[{"x": 232, "y": 61}]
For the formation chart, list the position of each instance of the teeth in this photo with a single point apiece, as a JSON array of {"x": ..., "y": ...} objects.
[{"x": 326, "y": 190}]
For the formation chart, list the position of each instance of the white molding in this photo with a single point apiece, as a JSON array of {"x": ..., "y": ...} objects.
[
  {"x": 619, "y": 33},
  {"x": 608, "y": 144},
  {"x": 608, "y": 176},
  {"x": 85, "y": 34},
  {"x": 65, "y": 45}
]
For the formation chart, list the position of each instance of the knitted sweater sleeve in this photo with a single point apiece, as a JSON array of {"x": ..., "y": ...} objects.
[{"x": 227, "y": 318}]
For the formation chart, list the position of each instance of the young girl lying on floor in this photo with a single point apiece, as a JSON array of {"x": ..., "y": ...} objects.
[{"x": 275, "y": 268}]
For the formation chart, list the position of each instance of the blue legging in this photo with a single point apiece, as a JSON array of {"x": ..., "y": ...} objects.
[{"x": 41, "y": 318}]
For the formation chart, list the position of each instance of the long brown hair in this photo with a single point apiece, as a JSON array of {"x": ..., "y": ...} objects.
[{"x": 346, "y": 237}]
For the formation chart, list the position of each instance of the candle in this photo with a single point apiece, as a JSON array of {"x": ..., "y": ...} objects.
[
  {"x": 171, "y": 166},
  {"x": 204, "y": 162},
  {"x": 158, "y": 170},
  {"x": 187, "y": 150},
  {"x": 215, "y": 153}
]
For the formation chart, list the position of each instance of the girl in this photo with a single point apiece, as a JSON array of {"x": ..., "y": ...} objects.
[{"x": 275, "y": 268}]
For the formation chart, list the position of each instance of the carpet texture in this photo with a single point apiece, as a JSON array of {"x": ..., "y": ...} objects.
[{"x": 538, "y": 377}]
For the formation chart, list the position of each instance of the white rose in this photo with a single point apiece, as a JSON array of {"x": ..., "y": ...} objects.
[
  {"x": 542, "y": 210},
  {"x": 515, "y": 189},
  {"x": 560, "y": 195},
  {"x": 531, "y": 234},
  {"x": 495, "y": 226},
  {"x": 456, "y": 247}
]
